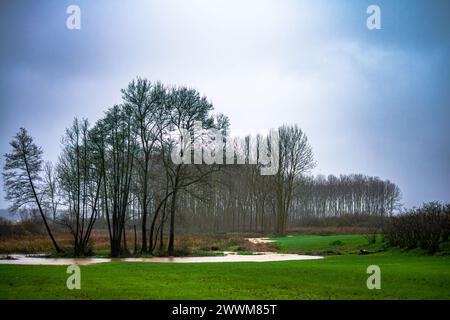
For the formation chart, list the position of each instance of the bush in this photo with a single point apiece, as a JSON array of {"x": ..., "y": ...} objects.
[
  {"x": 337, "y": 243},
  {"x": 24, "y": 227},
  {"x": 371, "y": 237},
  {"x": 424, "y": 227}
]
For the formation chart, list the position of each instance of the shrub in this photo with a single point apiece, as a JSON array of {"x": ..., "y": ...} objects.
[
  {"x": 337, "y": 243},
  {"x": 371, "y": 237},
  {"x": 424, "y": 227}
]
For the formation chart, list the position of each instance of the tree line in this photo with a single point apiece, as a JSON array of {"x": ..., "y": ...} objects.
[
  {"x": 119, "y": 171},
  {"x": 353, "y": 194},
  {"x": 245, "y": 201}
]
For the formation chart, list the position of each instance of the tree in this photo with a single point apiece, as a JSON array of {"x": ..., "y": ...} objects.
[
  {"x": 21, "y": 175},
  {"x": 187, "y": 109},
  {"x": 80, "y": 181},
  {"x": 50, "y": 189},
  {"x": 146, "y": 103},
  {"x": 116, "y": 146},
  {"x": 295, "y": 158}
]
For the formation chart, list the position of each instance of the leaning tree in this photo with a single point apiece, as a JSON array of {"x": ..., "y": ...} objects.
[{"x": 21, "y": 176}]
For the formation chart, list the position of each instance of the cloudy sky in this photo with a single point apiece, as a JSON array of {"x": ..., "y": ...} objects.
[{"x": 374, "y": 102}]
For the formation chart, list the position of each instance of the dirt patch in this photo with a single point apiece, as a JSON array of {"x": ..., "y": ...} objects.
[{"x": 252, "y": 244}]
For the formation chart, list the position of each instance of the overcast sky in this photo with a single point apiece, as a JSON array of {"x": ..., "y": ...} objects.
[{"x": 374, "y": 102}]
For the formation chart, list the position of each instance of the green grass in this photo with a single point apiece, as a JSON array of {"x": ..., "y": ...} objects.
[
  {"x": 326, "y": 245},
  {"x": 403, "y": 276}
]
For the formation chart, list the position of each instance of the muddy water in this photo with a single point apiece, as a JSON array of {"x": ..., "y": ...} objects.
[
  {"x": 228, "y": 257},
  {"x": 260, "y": 257},
  {"x": 260, "y": 240}
]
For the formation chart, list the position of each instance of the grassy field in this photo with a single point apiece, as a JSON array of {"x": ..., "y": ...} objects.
[
  {"x": 327, "y": 245},
  {"x": 410, "y": 275}
]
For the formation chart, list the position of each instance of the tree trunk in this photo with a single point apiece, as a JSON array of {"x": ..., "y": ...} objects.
[
  {"x": 170, "y": 248},
  {"x": 135, "y": 240},
  {"x": 55, "y": 245},
  {"x": 144, "y": 213}
]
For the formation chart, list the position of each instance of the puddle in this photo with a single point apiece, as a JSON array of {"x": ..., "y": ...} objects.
[{"x": 228, "y": 257}]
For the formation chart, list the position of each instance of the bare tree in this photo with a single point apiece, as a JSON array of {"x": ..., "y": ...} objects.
[
  {"x": 146, "y": 103},
  {"x": 116, "y": 146},
  {"x": 187, "y": 108},
  {"x": 50, "y": 189},
  {"x": 295, "y": 158},
  {"x": 80, "y": 182}
]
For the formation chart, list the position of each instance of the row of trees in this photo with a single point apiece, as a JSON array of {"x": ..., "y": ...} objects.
[
  {"x": 124, "y": 156},
  {"x": 354, "y": 194},
  {"x": 120, "y": 171},
  {"x": 245, "y": 201}
]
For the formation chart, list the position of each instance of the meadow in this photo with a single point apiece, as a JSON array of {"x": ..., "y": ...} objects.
[{"x": 340, "y": 275}]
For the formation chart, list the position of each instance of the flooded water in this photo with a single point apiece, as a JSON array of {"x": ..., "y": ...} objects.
[{"x": 228, "y": 257}]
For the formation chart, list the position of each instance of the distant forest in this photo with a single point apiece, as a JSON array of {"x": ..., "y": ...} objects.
[{"x": 117, "y": 173}]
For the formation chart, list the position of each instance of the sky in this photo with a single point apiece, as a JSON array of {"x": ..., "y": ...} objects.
[{"x": 370, "y": 101}]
